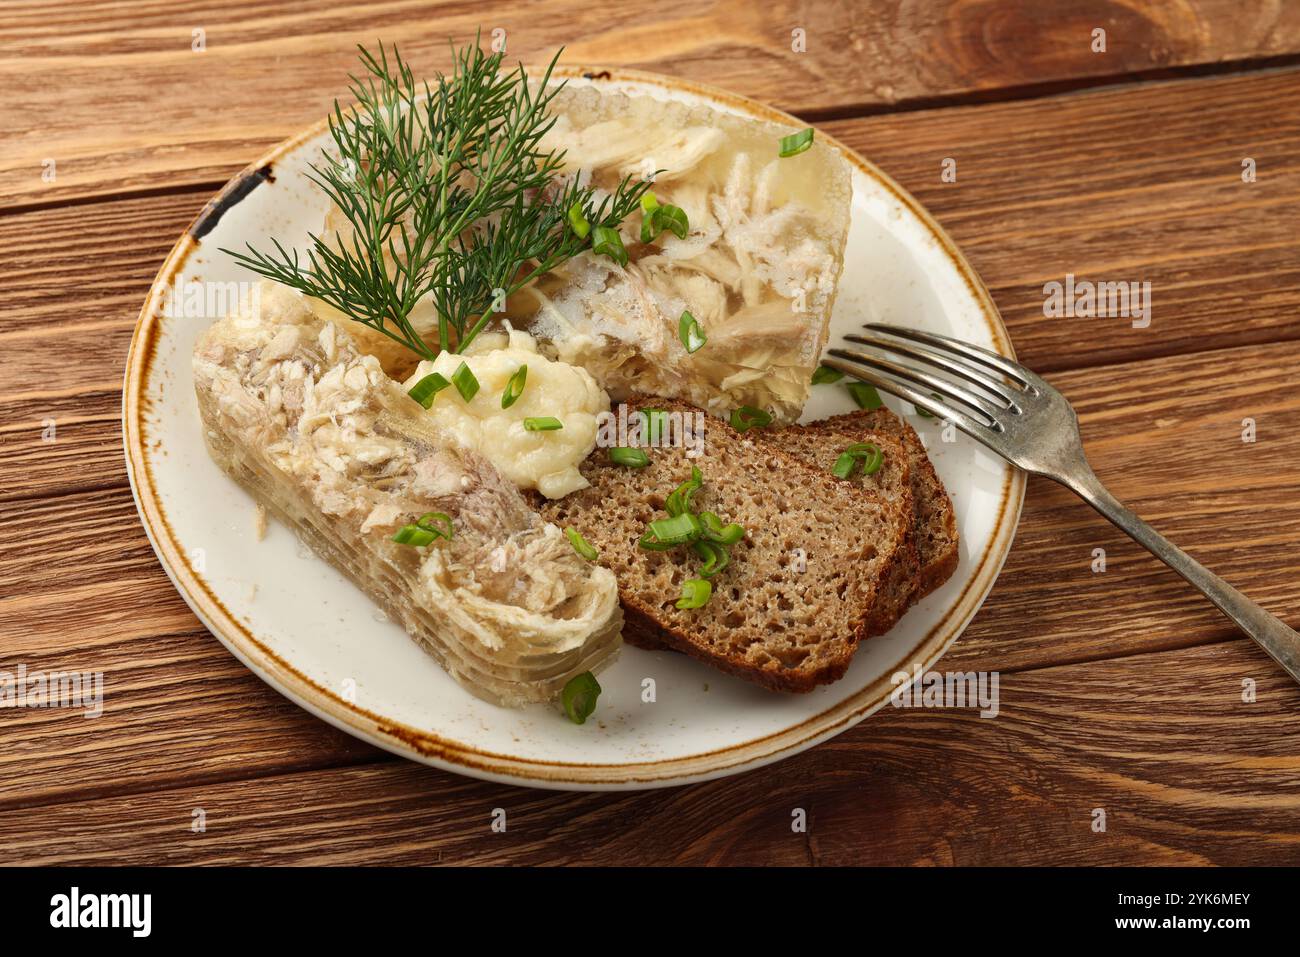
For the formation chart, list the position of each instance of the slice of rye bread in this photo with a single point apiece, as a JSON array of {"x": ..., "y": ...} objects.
[
  {"x": 892, "y": 482},
  {"x": 936, "y": 522},
  {"x": 782, "y": 618}
]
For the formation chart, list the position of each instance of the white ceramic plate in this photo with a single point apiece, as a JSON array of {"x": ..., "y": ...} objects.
[{"x": 313, "y": 636}]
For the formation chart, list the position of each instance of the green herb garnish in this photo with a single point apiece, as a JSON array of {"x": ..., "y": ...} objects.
[
  {"x": 629, "y": 457},
  {"x": 796, "y": 143},
  {"x": 543, "y": 423},
  {"x": 868, "y": 453},
  {"x": 696, "y": 593},
  {"x": 689, "y": 331},
  {"x": 580, "y": 544},
  {"x": 843, "y": 466},
  {"x": 715, "y": 531},
  {"x": 679, "y": 500},
  {"x": 425, "y": 529},
  {"x": 747, "y": 417},
  {"x": 865, "y": 395},
  {"x": 705, "y": 533},
  {"x": 677, "y": 530},
  {"x": 464, "y": 381},
  {"x": 605, "y": 241},
  {"x": 716, "y": 557},
  {"x": 579, "y": 697},
  {"x": 824, "y": 374},
  {"x": 652, "y": 423},
  {"x": 577, "y": 222},
  {"x": 671, "y": 218},
  {"x": 514, "y": 388},
  {"x": 922, "y": 412},
  {"x": 448, "y": 197},
  {"x": 656, "y": 217},
  {"x": 428, "y": 388}
]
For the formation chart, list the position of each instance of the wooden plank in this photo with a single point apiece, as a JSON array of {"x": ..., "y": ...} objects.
[
  {"x": 1185, "y": 771},
  {"x": 85, "y": 83},
  {"x": 100, "y": 601},
  {"x": 178, "y": 710},
  {"x": 183, "y": 716},
  {"x": 76, "y": 265},
  {"x": 1140, "y": 184},
  {"x": 1186, "y": 221},
  {"x": 81, "y": 591},
  {"x": 75, "y": 295}
]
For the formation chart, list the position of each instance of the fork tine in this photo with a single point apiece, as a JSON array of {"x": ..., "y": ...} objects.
[
  {"x": 918, "y": 398},
  {"x": 975, "y": 353},
  {"x": 948, "y": 362},
  {"x": 945, "y": 389}
]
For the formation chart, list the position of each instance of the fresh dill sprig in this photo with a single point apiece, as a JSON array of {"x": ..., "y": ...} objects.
[{"x": 449, "y": 196}]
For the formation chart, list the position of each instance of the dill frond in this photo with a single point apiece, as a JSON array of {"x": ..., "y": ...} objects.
[{"x": 448, "y": 195}]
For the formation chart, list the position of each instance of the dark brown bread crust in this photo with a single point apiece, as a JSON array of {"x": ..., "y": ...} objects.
[{"x": 782, "y": 629}]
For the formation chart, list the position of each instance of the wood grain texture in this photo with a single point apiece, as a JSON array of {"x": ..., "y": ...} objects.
[
  {"x": 1135, "y": 185},
  {"x": 116, "y": 96},
  {"x": 73, "y": 288},
  {"x": 1119, "y": 690},
  {"x": 1148, "y": 434},
  {"x": 1185, "y": 771}
]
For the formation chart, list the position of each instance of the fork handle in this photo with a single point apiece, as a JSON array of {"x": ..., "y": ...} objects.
[{"x": 1280, "y": 641}]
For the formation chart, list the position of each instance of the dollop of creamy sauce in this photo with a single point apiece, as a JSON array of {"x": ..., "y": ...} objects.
[{"x": 547, "y": 461}]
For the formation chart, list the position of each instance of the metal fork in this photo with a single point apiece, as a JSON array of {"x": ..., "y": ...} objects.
[{"x": 1019, "y": 416}]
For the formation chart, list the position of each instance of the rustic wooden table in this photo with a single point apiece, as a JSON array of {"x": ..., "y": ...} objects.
[{"x": 1120, "y": 690}]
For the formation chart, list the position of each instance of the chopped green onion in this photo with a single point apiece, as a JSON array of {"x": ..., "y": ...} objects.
[
  {"x": 438, "y": 521},
  {"x": 748, "y": 417},
  {"x": 868, "y": 453},
  {"x": 464, "y": 381},
  {"x": 657, "y": 218},
  {"x": 716, "y": 557},
  {"x": 715, "y": 531},
  {"x": 696, "y": 593},
  {"x": 825, "y": 374},
  {"x": 652, "y": 421},
  {"x": 689, "y": 331},
  {"x": 514, "y": 388},
  {"x": 427, "y": 388},
  {"x": 577, "y": 222},
  {"x": 796, "y": 143},
  {"x": 648, "y": 206},
  {"x": 426, "y": 528},
  {"x": 607, "y": 242},
  {"x": 543, "y": 423},
  {"x": 922, "y": 412},
  {"x": 411, "y": 535},
  {"x": 632, "y": 458},
  {"x": 580, "y": 544},
  {"x": 865, "y": 395},
  {"x": 652, "y": 544},
  {"x": 679, "y": 500},
  {"x": 673, "y": 219},
  {"x": 677, "y": 530},
  {"x": 579, "y": 697}
]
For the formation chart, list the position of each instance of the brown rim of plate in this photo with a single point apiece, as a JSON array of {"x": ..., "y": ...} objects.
[{"x": 429, "y": 748}]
